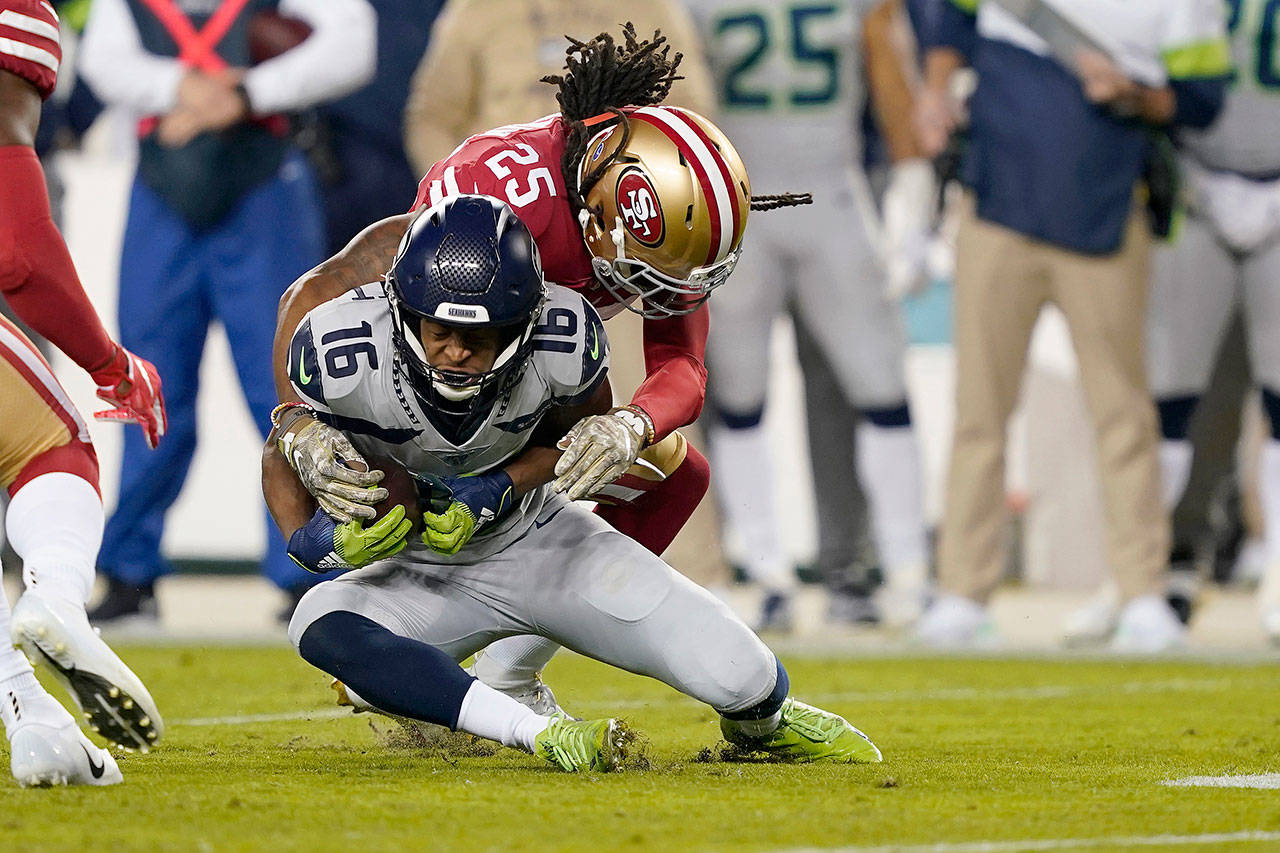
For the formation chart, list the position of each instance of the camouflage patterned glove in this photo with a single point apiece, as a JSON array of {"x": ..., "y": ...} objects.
[
  {"x": 332, "y": 470},
  {"x": 599, "y": 449}
]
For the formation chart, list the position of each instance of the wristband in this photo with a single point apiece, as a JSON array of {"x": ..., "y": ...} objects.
[{"x": 646, "y": 431}]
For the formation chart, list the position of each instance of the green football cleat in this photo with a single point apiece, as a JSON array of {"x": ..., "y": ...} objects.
[
  {"x": 808, "y": 734},
  {"x": 574, "y": 745}
]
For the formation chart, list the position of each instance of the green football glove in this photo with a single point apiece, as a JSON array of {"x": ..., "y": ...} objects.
[
  {"x": 466, "y": 505},
  {"x": 323, "y": 545}
]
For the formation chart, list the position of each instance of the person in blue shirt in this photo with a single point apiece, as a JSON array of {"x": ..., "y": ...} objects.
[{"x": 1060, "y": 126}]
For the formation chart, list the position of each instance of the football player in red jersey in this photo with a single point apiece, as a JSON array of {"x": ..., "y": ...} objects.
[
  {"x": 47, "y": 463},
  {"x": 633, "y": 204}
]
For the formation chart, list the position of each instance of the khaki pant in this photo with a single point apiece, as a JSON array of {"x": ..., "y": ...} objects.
[{"x": 1003, "y": 279}]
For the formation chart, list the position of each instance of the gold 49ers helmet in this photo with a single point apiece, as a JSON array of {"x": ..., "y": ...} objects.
[{"x": 664, "y": 217}]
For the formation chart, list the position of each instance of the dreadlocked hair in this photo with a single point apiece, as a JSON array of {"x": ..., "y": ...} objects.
[
  {"x": 602, "y": 76},
  {"x": 773, "y": 202}
]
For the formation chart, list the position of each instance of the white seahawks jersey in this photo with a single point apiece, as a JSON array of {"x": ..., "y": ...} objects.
[
  {"x": 790, "y": 84},
  {"x": 1244, "y": 138},
  {"x": 342, "y": 360}
]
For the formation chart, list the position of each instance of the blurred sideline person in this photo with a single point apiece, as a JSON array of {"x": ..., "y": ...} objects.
[
  {"x": 640, "y": 209},
  {"x": 366, "y": 174},
  {"x": 47, "y": 462},
  {"x": 223, "y": 213},
  {"x": 1056, "y": 147},
  {"x": 790, "y": 81},
  {"x": 486, "y": 59},
  {"x": 1226, "y": 253}
]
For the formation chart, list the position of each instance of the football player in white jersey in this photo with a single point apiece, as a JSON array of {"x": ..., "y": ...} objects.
[
  {"x": 791, "y": 90},
  {"x": 1224, "y": 254},
  {"x": 458, "y": 364}
]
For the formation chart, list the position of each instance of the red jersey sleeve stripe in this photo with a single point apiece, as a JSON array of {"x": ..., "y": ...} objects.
[{"x": 28, "y": 24}]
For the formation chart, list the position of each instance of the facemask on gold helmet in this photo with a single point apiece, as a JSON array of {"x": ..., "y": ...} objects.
[{"x": 665, "y": 217}]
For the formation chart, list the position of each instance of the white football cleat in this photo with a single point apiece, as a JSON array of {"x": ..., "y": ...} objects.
[
  {"x": 57, "y": 634},
  {"x": 1271, "y": 624},
  {"x": 1095, "y": 621},
  {"x": 40, "y": 756},
  {"x": 956, "y": 622},
  {"x": 1148, "y": 625}
]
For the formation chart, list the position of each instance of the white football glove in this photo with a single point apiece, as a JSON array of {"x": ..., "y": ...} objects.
[
  {"x": 598, "y": 450},
  {"x": 908, "y": 216},
  {"x": 332, "y": 470}
]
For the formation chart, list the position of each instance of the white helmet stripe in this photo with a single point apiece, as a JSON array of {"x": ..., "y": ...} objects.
[{"x": 722, "y": 195}]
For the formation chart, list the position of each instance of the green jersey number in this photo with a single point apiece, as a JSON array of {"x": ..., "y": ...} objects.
[
  {"x": 1266, "y": 64},
  {"x": 760, "y": 36}
]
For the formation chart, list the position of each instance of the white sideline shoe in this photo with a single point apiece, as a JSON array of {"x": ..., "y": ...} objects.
[
  {"x": 955, "y": 622},
  {"x": 57, "y": 634},
  {"x": 40, "y": 756},
  {"x": 1148, "y": 625},
  {"x": 1095, "y": 621}
]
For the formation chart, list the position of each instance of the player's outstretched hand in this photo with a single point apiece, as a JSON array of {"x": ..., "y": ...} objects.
[
  {"x": 474, "y": 502},
  {"x": 323, "y": 545},
  {"x": 333, "y": 471},
  {"x": 598, "y": 450},
  {"x": 132, "y": 386}
]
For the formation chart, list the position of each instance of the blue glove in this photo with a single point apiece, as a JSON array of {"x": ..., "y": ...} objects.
[
  {"x": 467, "y": 504},
  {"x": 323, "y": 545}
]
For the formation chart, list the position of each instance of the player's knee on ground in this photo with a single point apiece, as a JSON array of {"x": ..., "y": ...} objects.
[
  {"x": 770, "y": 704},
  {"x": 1175, "y": 416},
  {"x": 390, "y": 672}
]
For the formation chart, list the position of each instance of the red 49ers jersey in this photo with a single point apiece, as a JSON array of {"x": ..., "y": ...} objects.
[
  {"x": 520, "y": 164},
  {"x": 29, "y": 42}
]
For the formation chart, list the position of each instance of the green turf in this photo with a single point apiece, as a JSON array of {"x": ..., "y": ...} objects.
[{"x": 974, "y": 750}]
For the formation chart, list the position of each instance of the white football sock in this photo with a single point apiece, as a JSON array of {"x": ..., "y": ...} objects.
[
  {"x": 743, "y": 477},
  {"x": 13, "y": 663},
  {"x": 1175, "y": 469},
  {"x": 514, "y": 662},
  {"x": 889, "y": 471},
  {"x": 489, "y": 714},
  {"x": 23, "y": 700},
  {"x": 54, "y": 523}
]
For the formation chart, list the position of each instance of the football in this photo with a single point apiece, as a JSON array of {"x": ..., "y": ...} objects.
[
  {"x": 401, "y": 490},
  {"x": 271, "y": 34}
]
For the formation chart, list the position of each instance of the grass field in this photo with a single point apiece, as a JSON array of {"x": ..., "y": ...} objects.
[{"x": 255, "y": 758}]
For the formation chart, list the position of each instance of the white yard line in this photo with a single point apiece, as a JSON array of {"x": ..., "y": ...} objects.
[
  {"x": 1248, "y": 836},
  {"x": 1257, "y": 780}
]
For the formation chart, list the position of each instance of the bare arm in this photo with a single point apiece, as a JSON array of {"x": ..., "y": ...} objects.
[
  {"x": 287, "y": 499},
  {"x": 536, "y": 465},
  {"x": 365, "y": 259},
  {"x": 887, "y": 47}
]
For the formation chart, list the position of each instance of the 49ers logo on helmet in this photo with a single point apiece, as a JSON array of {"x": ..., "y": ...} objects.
[{"x": 638, "y": 203}]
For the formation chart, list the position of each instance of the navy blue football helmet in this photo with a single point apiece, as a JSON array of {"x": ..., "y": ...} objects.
[{"x": 466, "y": 262}]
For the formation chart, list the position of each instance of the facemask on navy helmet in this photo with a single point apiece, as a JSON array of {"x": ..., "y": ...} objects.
[{"x": 467, "y": 262}]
